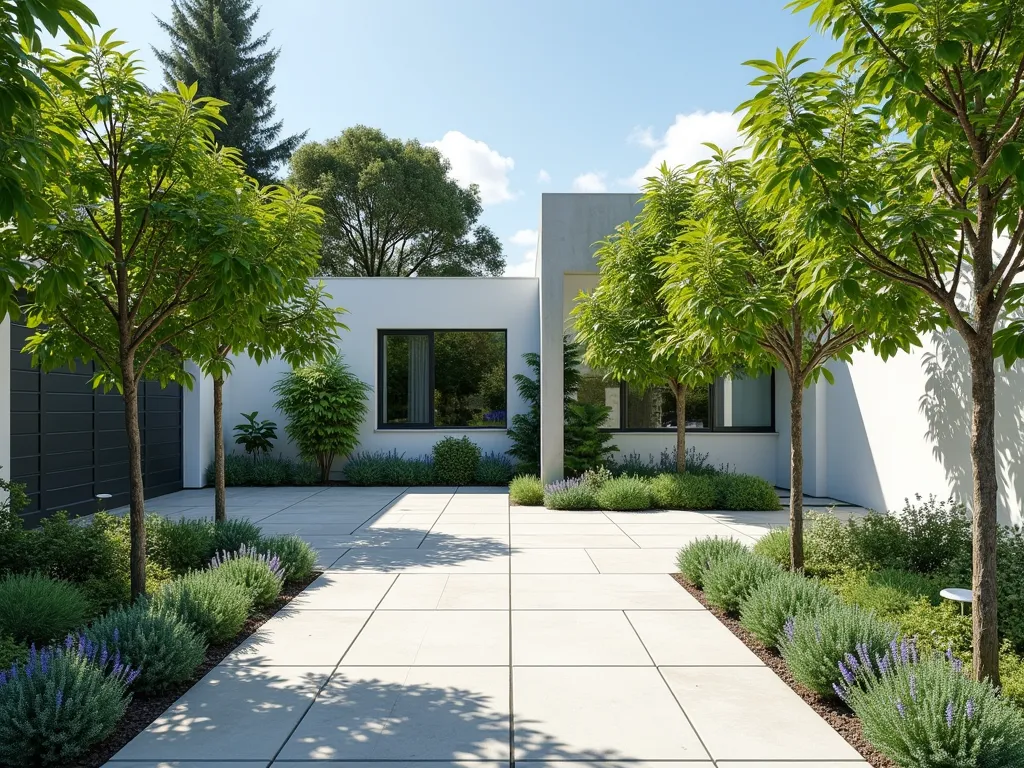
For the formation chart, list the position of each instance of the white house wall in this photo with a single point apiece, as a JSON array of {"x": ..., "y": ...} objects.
[{"x": 509, "y": 304}]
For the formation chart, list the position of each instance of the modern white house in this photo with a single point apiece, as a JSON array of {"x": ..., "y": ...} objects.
[{"x": 426, "y": 346}]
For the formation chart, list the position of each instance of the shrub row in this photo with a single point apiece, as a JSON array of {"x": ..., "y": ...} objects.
[
  {"x": 260, "y": 469},
  {"x": 916, "y": 703},
  {"x": 600, "y": 489},
  {"x": 57, "y": 702},
  {"x": 453, "y": 461}
]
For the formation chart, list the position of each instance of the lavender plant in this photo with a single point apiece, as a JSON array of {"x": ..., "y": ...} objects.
[
  {"x": 297, "y": 557},
  {"x": 731, "y": 580},
  {"x": 213, "y": 603},
  {"x": 229, "y": 535},
  {"x": 815, "y": 645},
  {"x": 495, "y": 469},
  {"x": 624, "y": 493},
  {"x": 926, "y": 713},
  {"x": 768, "y": 606},
  {"x": 701, "y": 555},
  {"x": 571, "y": 493},
  {"x": 61, "y": 701},
  {"x": 37, "y": 609},
  {"x": 261, "y": 574}
]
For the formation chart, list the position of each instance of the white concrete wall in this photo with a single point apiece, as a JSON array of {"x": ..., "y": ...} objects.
[
  {"x": 197, "y": 429},
  {"x": 397, "y": 303},
  {"x": 902, "y": 427},
  {"x": 752, "y": 453}
]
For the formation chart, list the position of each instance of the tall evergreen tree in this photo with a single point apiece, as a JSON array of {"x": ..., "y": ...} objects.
[{"x": 211, "y": 43}]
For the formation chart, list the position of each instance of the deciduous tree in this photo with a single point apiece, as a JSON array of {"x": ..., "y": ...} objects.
[
  {"x": 906, "y": 149},
  {"x": 392, "y": 208}
]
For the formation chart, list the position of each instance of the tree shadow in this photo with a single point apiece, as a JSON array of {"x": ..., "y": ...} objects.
[{"x": 946, "y": 404}]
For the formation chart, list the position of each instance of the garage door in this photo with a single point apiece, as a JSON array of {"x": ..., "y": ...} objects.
[{"x": 68, "y": 441}]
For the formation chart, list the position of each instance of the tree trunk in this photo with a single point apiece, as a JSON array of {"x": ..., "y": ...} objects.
[
  {"x": 985, "y": 645},
  {"x": 136, "y": 490},
  {"x": 220, "y": 504},
  {"x": 796, "y": 473},
  {"x": 680, "y": 392}
]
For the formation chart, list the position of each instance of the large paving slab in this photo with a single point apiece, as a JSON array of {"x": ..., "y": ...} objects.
[{"x": 452, "y": 630}]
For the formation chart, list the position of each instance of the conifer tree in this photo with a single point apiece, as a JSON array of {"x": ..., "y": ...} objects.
[{"x": 211, "y": 43}]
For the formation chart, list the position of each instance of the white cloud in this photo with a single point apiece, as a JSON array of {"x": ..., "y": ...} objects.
[
  {"x": 473, "y": 162},
  {"x": 526, "y": 265},
  {"x": 543, "y": 177},
  {"x": 682, "y": 143},
  {"x": 590, "y": 182}
]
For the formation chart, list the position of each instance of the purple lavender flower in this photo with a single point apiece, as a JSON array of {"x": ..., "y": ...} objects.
[
  {"x": 949, "y": 715},
  {"x": 68, "y": 641},
  {"x": 3, "y": 679},
  {"x": 901, "y": 709},
  {"x": 883, "y": 663},
  {"x": 913, "y": 687},
  {"x": 851, "y": 662},
  {"x": 60, "y": 698},
  {"x": 970, "y": 709},
  {"x": 840, "y": 691},
  {"x": 904, "y": 651},
  {"x": 790, "y": 628},
  {"x": 131, "y": 676},
  {"x": 104, "y": 655},
  {"x": 958, "y": 665},
  {"x": 846, "y": 673},
  {"x": 117, "y": 635}
]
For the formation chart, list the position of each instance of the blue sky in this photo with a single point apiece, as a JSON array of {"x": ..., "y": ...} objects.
[{"x": 524, "y": 96}]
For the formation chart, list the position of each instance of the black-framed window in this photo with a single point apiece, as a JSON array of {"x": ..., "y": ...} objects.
[
  {"x": 438, "y": 379},
  {"x": 732, "y": 404}
]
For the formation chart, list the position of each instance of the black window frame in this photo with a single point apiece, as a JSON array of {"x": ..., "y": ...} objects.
[
  {"x": 429, "y": 333},
  {"x": 624, "y": 416}
]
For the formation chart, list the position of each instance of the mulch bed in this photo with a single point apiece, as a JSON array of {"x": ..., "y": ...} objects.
[
  {"x": 143, "y": 710},
  {"x": 834, "y": 713}
]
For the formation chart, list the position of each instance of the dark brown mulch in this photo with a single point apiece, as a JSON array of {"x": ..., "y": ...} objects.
[
  {"x": 833, "y": 712},
  {"x": 143, "y": 710}
]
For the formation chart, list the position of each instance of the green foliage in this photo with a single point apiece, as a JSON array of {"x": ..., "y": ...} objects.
[
  {"x": 389, "y": 468},
  {"x": 931, "y": 715},
  {"x": 813, "y": 645},
  {"x": 14, "y": 539},
  {"x": 888, "y": 594},
  {"x": 827, "y": 545},
  {"x": 262, "y": 575},
  {"x": 257, "y": 437},
  {"x": 524, "y": 428},
  {"x": 774, "y": 545},
  {"x": 526, "y": 491},
  {"x": 325, "y": 404},
  {"x": 11, "y": 651},
  {"x": 37, "y": 609},
  {"x": 241, "y": 469},
  {"x": 213, "y": 604},
  {"x": 77, "y": 551},
  {"x": 495, "y": 469},
  {"x": 769, "y": 605},
  {"x": 745, "y": 492},
  {"x": 456, "y": 461},
  {"x": 933, "y": 534},
  {"x": 587, "y": 444},
  {"x": 1011, "y": 677},
  {"x": 624, "y": 494},
  {"x": 61, "y": 703},
  {"x": 180, "y": 546},
  {"x": 728, "y": 582},
  {"x": 569, "y": 494},
  {"x": 297, "y": 557},
  {"x": 686, "y": 492},
  {"x": 700, "y": 556},
  {"x": 232, "y": 535},
  {"x": 212, "y": 43},
  {"x": 165, "y": 649},
  {"x": 413, "y": 215},
  {"x": 937, "y": 628}
]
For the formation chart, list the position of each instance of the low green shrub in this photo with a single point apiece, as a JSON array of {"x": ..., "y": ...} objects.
[
  {"x": 929, "y": 714},
  {"x": 814, "y": 645},
  {"x": 180, "y": 546},
  {"x": 37, "y": 609},
  {"x": 11, "y": 651},
  {"x": 826, "y": 545},
  {"x": 687, "y": 492},
  {"x": 242, "y": 469},
  {"x": 769, "y": 605},
  {"x": 231, "y": 535},
  {"x": 526, "y": 490},
  {"x": 595, "y": 478},
  {"x": 875, "y": 541},
  {"x": 14, "y": 555},
  {"x": 1011, "y": 676},
  {"x": 60, "y": 703},
  {"x": 388, "y": 468},
  {"x": 162, "y": 646},
  {"x": 297, "y": 557},
  {"x": 745, "y": 492},
  {"x": 624, "y": 494},
  {"x": 634, "y": 464},
  {"x": 937, "y": 628},
  {"x": 495, "y": 469},
  {"x": 730, "y": 581},
  {"x": 456, "y": 460},
  {"x": 934, "y": 533},
  {"x": 262, "y": 575},
  {"x": 888, "y": 594},
  {"x": 571, "y": 493},
  {"x": 214, "y": 605},
  {"x": 700, "y": 556},
  {"x": 774, "y": 545}
]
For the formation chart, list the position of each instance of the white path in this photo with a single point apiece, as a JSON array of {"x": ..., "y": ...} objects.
[{"x": 451, "y": 630}]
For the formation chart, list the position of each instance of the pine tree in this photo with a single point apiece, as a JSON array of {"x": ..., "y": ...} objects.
[{"x": 211, "y": 42}]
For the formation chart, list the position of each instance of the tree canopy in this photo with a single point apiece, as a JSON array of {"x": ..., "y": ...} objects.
[
  {"x": 212, "y": 44},
  {"x": 392, "y": 208}
]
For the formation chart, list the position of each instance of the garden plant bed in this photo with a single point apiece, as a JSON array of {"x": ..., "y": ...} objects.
[
  {"x": 834, "y": 713},
  {"x": 142, "y": 711}
]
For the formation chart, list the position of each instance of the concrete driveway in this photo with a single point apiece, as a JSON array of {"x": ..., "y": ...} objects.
[{"x": 450, "y": 629}]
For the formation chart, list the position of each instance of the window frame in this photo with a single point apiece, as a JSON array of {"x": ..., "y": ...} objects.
[
  {"x": 382, "y": 333},
  {"x": 624, "y": 417}
]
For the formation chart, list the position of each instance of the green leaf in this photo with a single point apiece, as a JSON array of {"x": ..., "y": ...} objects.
[
  {"x": 827, "y": 167},
  {"x": 828, "y": 375},
  {"x": 949, "y": 52},
  {"x": 913, "y": 81},
  {"x": 902, "y": 8},
  {"x": 1010, "y": 157}
]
